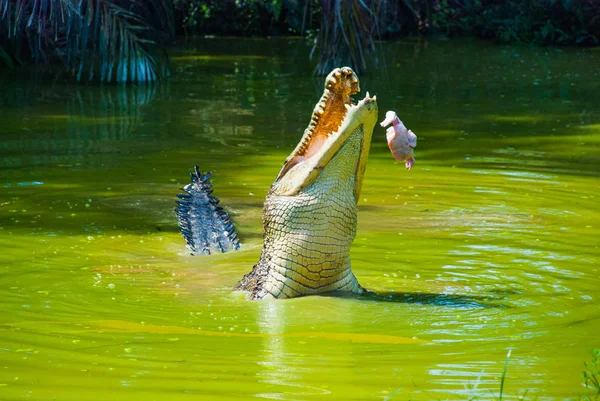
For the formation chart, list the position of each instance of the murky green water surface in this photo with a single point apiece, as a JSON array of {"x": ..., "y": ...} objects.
[{"x": 489, "y": 244}]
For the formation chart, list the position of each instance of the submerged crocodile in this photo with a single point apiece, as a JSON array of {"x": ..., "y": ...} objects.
[{"x": 310, "y": 212}]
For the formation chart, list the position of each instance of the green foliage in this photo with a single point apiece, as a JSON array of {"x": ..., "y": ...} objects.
[
  {"x": 96, "y": 40},
  {"x": 346, "y": 34},
  {"x": 118, "y": 40},
  {"x": 349, "y": 28},
  {"x": 503, "y": 378},
  {"x": 591, "y": 376},
  {"x": 538, "y": 21},
  {"x": 241, "y": 17}
]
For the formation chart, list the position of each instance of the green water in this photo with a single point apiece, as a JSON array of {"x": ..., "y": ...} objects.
[{"x": 489, "y": 244}]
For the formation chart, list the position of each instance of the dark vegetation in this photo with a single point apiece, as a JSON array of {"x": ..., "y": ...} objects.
[
  {"x": 122, "y": 40},
  {"x": 96, "y": 40}
]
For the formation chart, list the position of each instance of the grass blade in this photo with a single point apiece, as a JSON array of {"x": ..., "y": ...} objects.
[{"x": 504, "y": 375}]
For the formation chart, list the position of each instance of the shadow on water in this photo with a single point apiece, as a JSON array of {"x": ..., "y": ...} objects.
[{"x": 423, "y": 298}]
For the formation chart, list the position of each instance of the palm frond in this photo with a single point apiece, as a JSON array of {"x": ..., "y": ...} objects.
[
  {"x": 346, "y": 34},
  {"x": 349, "y": 28},
  {"x": 97, "y": 40},
  {"x": 122, "y": 53}
]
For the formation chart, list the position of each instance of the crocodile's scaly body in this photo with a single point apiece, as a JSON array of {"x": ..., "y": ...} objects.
[{"x": 310, "y": 213}]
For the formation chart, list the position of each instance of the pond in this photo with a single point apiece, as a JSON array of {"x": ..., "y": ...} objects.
[{"x": 489, "y": 245}]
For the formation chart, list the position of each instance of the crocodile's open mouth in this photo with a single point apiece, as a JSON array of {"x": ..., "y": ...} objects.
[{"x": 328, "y": 116}]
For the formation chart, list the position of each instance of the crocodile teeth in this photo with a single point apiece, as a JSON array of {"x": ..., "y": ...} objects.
[
  {"x": 375, "y": 97},
  {"x": 320, "y": 112},
  {"x": 367, "y": 96},
  {"x": 354, "y": 80},
  {"x": 337, "y": 74},
  {"x": 332, "y": 81}
]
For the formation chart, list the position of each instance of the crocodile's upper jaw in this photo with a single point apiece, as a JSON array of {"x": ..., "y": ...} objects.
[{"x": 334, "y": 120}]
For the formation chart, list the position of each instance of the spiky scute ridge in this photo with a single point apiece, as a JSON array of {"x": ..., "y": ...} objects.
[{"x": 203, "y": 223}]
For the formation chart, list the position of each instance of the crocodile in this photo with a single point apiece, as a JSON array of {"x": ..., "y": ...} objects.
[{"x": 310, "y": 211}]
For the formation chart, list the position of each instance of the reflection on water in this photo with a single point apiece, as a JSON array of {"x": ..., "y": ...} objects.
[
  {"x": 92, "y": 121},
  {"x": 280, "y": 362},
  {"x": 487, "y": 245}
]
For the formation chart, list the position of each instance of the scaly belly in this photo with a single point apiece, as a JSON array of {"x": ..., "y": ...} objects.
[{"x": 308, "y": 243}]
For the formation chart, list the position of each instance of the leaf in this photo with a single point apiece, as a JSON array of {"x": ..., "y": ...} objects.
[
  {"x": 277, "y": 5},
  {"x": 111, "y": 40}
]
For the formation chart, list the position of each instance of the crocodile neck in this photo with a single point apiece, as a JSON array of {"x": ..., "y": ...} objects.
[{"x": 310, "y": 253}]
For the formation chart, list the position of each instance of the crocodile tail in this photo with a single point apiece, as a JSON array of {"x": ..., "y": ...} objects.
[{"x": 203, "y": 223}]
